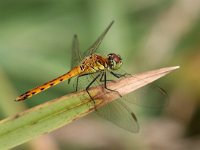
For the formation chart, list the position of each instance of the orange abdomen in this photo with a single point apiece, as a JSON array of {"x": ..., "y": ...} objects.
[{"x": 72, "y": 73}]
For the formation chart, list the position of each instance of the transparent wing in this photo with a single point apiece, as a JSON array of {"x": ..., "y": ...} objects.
[
  {"x": 116, "y": 112},
  {"x": 75, "y": 53},
  {"x": 120, "y": 114},
  {"x": 149, "y": 96},
  {"x": 96, "y": 44}
]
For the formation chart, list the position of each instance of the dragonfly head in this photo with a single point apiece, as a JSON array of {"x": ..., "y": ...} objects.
[{"x": 114, "y": 61}]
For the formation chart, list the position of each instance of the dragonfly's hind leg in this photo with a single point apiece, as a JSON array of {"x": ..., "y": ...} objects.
[
  {"x": 87, "y": 88},
  {"x": 77, "y": 83},
  {"x": 77, "y": 80}
]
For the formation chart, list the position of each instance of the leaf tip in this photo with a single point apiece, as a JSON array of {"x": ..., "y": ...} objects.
[{"x": 176, "y": 67}]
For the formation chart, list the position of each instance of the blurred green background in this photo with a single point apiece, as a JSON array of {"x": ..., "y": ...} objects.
[{"x": 35, "y": 44}]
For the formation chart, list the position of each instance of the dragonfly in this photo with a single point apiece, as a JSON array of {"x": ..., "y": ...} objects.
[
  {"x": 91, "y": 64},
  {"x": 97, "y": 67}
]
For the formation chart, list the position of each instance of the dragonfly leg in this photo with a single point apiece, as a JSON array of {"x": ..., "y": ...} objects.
[
  {"x": 77, "y": 83},
  {"x": 102, "y": 80},
  {"x": 77, "y": 80},
  {"x": 105, "y": 85},
  {"x": 87, "y": 88},
  {"x": 117, "y": 75}
]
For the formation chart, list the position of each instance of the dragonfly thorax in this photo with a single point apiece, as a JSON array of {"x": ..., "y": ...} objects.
[{"x": 114, "y": 61}]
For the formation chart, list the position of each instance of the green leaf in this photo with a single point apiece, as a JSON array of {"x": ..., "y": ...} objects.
[{"x": 56, "y": 113}]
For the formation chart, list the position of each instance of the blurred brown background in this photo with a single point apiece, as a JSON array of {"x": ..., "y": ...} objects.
[{"x": 35, "y": 43}]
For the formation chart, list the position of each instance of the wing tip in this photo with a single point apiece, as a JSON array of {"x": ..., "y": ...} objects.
[
  {"x": 134, "y": 117},
  {"x": 113, "y": 21}
]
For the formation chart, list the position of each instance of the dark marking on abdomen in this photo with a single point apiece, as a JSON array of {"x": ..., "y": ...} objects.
[
  {"x": 82, "y": 67},
  {"x": 51, "y": 84}
]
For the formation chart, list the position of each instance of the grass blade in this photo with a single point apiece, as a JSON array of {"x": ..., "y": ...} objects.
[{"x": 54, "y": 114}]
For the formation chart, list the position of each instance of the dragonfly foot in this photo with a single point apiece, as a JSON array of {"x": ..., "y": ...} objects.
[
  {"x": 95, "y": 108},
  {"x": 113, "y": 91}
]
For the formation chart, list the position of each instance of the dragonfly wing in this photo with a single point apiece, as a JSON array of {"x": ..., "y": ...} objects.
[
  {"x": 96, "y": 44},
  {"x": 150, "y": 96},
  {"x": 120, "y": 114},
  {"x": 75, "y": 53},
  {"x": 117, "y": 111}
]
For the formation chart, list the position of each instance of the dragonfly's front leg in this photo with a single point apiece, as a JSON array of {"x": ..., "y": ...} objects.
[
  {"x": 105, "y": 84},
  {"x": 117, "y": 75}
]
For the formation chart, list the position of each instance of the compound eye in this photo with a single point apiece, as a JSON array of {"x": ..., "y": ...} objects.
[
  {"x": 115, "y": 61},
  {"x": 117, "y": 58}
]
